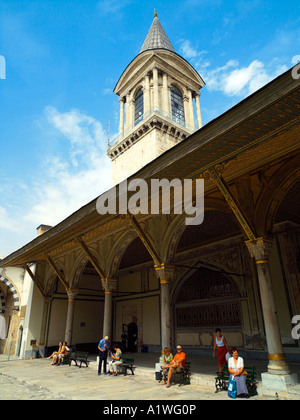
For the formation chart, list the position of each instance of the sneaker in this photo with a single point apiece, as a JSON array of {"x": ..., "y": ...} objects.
[{"x": 163, "y": 382}]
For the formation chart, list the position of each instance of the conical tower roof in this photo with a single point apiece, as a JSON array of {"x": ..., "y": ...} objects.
[{"x": 156, "y": 38}]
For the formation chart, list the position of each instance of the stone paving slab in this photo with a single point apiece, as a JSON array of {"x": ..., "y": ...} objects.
[{"x": 36, "y": 379}]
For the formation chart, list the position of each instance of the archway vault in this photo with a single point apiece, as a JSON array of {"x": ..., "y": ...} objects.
[{"x": 14, "y": 291}]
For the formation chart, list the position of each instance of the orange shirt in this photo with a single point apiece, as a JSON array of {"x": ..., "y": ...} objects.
[
  {"x": 63, "y": 350},
  {"x": 180, "y": 358}
]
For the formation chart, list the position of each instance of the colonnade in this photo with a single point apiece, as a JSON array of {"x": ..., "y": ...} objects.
[
  {"x": 259, "y": 249},
  {"x": 160, "y": 99}
]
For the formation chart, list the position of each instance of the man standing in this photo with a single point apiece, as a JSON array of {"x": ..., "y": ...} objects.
[
  {"x": 177, "y": 364},
  {"x": 103, "y": 347}
]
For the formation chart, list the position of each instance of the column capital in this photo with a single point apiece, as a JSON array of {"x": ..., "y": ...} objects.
[
  {"x": 72, "y": 293},
  {"x": 109, "y": 285},
  {"x": 260, "y": 249},
  {"x": 165, "y": 272}
]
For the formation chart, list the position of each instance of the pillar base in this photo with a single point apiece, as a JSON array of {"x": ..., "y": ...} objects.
[{"x": 280, "y": 384}]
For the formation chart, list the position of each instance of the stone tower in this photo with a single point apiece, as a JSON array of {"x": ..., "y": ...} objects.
[{"x": 156, "y": 93}]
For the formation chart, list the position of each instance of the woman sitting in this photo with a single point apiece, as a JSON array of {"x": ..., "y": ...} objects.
[
  {"x": 237, "y": 371},
  {"x": 167, "y": 356},
  {"x": 116, "y": 361},
  {"x": 62, "y": 353},
  {"x": 54, "y": 355}
]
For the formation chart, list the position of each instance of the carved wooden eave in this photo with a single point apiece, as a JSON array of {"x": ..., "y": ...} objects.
[{"x": 261, "y": 129}]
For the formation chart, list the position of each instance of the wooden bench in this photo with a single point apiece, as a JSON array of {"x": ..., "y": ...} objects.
[
  {"x": 221, "y": 381},
  {"x": 80, "y": 357},
  {"x": 67, "y": 359},
  {"x": 183, "y": 377},
  {"x": 126, "y": 365}
]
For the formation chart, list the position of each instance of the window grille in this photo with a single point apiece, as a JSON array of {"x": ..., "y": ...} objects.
[
  {"x": 207, "y": 299},
  {"x": 139, "y": 106},
  {"x": 177, "y": 106}
]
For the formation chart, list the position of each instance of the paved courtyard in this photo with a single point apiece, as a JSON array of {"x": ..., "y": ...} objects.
[{"x": 36, "y": 379}]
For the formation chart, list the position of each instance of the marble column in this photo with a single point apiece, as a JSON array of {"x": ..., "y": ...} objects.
[
  {"x": 165, "y": 273},
  {"x": 191, "y": 109},
  {"x": 44, "y": 321},
  {"x": 147, "y": 101},
  {"x": 279, "y": 378},
  {"x": 128, "y": 110},
  {"x": 72, "y": 293},
  {"x": 186, "y": 106},
  {"x": 165, "y": 95},
  {"x": 198, "y": 110},
  {"x": 109, "y": 286},
  {"x": 260, "y": 250},
  {"x": 122, "y": 106},
  {"x": 155, "y": 88}
]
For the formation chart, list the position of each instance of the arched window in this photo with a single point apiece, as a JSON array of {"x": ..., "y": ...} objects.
[
  {"x": 139, "y": 106},
  {"x": 207, "y": 299},
  {"x": 177, "y": 106}
]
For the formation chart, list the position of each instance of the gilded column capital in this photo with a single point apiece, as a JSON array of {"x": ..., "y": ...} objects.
[
  {"x": 72, "y": 293},
  {"x": 165, "y": 272},
  {"x": 260, "y": 249},
  {"x": 109, "y": 285}
]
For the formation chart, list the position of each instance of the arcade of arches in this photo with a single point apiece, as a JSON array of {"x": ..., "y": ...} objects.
[
  {"x": 213, "y": 283},
  {"x": 167, "y": 283}
]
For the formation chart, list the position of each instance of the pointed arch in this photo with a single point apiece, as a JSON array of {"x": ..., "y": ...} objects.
[
  {"x": 177, "y": 227},
  {"x": 117, "y": 252},
  {"x": 14, "y": 291},
  {"x": 272, "y": 195},
  {"x": 206, "y": 298}
]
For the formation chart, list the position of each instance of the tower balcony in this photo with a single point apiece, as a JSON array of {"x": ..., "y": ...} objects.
[{"x": 154, "y": 118}]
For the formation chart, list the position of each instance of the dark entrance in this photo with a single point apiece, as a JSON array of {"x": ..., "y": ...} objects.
[{"x": 132, "y": 337}]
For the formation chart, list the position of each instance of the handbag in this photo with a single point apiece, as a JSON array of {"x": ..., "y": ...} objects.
[{"x": 231, "y": 388}]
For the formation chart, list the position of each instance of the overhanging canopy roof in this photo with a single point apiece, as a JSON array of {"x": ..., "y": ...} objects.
[{"x": 243, "y": 133}]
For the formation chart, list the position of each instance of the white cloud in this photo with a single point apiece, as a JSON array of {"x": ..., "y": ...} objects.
[
  {"x": 187, "y": 50},
  {"x": 295, "y": 59},
  {"x": 71, "y": 181},
  {"x": 77, "y": 172},
  {"x": 234, "y": 80},
  {"x": 191, "y": 53},
  {"x": 6, "y": 222}
]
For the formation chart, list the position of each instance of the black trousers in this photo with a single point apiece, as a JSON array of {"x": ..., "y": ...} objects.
[{"x": 102, "y": 358}]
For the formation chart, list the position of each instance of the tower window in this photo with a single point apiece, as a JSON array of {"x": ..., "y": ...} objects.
[
  {"x": 177, "y": 106},
  {"x": 139, "y": 106}
]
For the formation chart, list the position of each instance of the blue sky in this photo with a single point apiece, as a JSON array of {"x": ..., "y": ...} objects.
[{"x": 63, "y": 59}]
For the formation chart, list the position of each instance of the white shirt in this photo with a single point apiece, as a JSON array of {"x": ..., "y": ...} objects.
[{"x": 233, "y": 366}]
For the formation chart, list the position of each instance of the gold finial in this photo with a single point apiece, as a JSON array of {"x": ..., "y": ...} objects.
[{"x": 155, "y": 13}]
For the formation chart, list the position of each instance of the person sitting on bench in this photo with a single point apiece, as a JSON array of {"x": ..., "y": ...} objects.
[
  {"x": 63, "y": 352},
  {"x": 177, "y": 364},
  {"x": 117, "y": 360},
  {"x": 54, "y": 355},
  {"x": 167, "y": 357}
]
